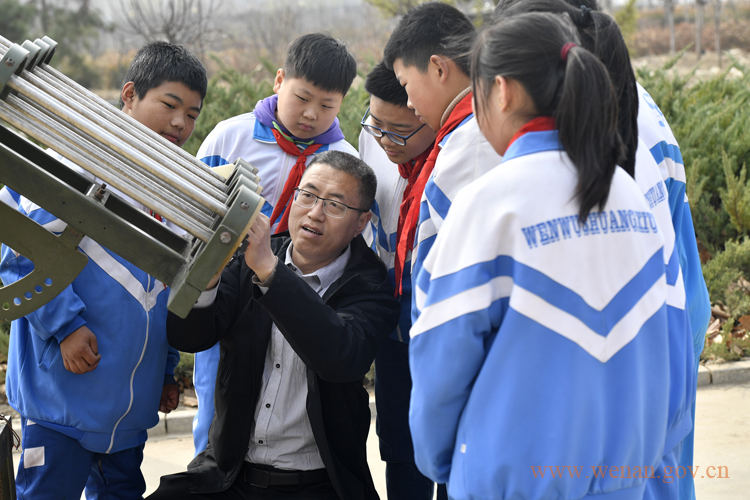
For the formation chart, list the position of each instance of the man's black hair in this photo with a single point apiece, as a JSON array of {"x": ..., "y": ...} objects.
[
  {"x": 367, "y": 182},
  {"x": 321, "y": 60},
  {"x": 428, "y": 29},
  {"x": 383, "y": 84},
  {"x": 161, "y": 62}
]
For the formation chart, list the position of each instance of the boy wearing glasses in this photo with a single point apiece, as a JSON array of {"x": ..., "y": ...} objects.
[
  {"x": 282, "y": 134},
  {"x": 395, "y": 143}
]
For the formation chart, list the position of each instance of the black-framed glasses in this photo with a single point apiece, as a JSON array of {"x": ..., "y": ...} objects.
[
  {"x": 395, "y": 138},
  {"x": 332, "y": 208}
]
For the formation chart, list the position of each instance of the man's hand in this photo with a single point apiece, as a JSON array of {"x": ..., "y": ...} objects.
[
  {"x": 170, "y": 396},
  {"x": 258, "y": 256},
  {"x": 80, "y": 352}
]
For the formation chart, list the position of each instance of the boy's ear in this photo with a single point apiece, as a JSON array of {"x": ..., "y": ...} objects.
[
  {"x": 278, "y": 80},
  {"x": 127, "y": 94},
  {"x": 440, "y": 67}
]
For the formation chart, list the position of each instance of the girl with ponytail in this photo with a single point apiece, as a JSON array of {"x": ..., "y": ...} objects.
[
  {"x": 654, "y": 160},
  {"x": 542, "y": 319}
]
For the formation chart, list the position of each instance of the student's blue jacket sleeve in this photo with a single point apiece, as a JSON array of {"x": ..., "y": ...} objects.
[
  {"x": 446, "y": 352},
  {"x": 696, "y": 294}
]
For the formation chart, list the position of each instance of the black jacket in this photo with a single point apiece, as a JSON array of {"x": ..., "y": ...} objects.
[{"x": 336, "y": 336}]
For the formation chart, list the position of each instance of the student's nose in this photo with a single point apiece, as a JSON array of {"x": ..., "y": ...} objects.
[
  {"x": 408, "y": 102},
  {"x": 385, "y": 139},
  {"x": 178, "y": 121},
  {"x": 309, "y": 113}
]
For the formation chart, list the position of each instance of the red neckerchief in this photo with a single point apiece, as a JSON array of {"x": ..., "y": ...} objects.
[
  {"x": 409, "y": 171},
  {"x": 411, "y": 217},
  {"x": 295, "y": 175},
  {"x": 538, "y": 124}
]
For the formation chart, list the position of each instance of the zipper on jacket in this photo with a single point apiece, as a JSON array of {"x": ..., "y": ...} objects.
[{"x": 147, "y": 296}]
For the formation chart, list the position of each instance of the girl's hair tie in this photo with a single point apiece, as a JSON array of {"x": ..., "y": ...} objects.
[
  {"x": 565, "y": 49},
  {"x": 586, "y": 14}
]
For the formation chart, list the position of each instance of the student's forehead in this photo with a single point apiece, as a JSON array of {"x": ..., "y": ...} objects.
[
  {"x": 305, "y": 85},
  {"x": 179, "y": 89},
  {"x": 387, "y": 112}
]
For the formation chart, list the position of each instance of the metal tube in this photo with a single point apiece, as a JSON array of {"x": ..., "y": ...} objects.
[
  {"x": 100, "y": 134},
  {"x": 113, "y": 120},
  {"x": 17, "y": 120},
  {"x": 34, "y": 111},
  {"x": 131, "y": 121},
  {"x": 139, "y": 146},
  {"x": 123, "y": 176}
]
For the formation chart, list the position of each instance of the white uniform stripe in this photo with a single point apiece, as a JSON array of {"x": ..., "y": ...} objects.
[
  {"x": 474, "y": 299},
  {"x": 572, "y": 328},
  {"x": 120, "y": 273}
]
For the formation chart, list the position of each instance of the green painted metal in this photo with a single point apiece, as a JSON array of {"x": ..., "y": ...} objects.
[
  {"x": 211, "y": 257},
  {"x": 34, "y": 52},
  {"x": 12, "y": 63},
  {"x": 56, "y": 259},
  {"x": 51, "y": 52}
]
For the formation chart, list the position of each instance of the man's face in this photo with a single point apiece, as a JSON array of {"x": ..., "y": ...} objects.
[
  {"x": 401, "y": 120},
  {"x": 170, "y": 109},
  {"x": 424, "y": 91},
  {"x": 304, "y": 109},
  {"x": 318, "y": 238}
]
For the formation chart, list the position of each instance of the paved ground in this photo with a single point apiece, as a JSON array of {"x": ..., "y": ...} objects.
[{"x": 722, "y": 440}]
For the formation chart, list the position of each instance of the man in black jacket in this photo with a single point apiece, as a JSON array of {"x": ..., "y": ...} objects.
[{"x": 299, "y": 320}]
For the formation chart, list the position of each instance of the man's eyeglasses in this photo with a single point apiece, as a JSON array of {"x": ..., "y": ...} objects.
[
  {"x": 395, "y": 138},
  {"x": 332, "y": 208}
]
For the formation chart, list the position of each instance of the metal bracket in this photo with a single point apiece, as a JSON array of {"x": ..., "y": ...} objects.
[
  {"x": 51, "y": 52},
  {"x": 13, "y": 63},
  {"x": 56, "y": 259},
  {"x": 34, "y": 51},
  {"x": 244, "y": 208}
]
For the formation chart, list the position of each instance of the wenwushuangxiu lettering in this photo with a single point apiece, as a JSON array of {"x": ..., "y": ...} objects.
[{"x": 597, "y": 223}]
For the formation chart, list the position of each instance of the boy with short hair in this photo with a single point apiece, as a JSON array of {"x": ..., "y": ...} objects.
[
  {"x": 395, "y": 143},
  {"x": 428, "y": 51},
  {"x": 279, "y": 137},
  {"x": 89, "y": 370}
]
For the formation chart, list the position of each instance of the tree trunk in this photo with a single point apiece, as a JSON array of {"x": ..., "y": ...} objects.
[
  {"x": 669, "y": 11},
  {"x": 717, "y": 22},
  {"x": 44, "y": 16},
  {"x": 698, "y": 27}
]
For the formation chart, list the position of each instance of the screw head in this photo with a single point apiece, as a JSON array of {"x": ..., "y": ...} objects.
[
  {"x": 10, "y": 62},
  {"x": 225, "y": 237},
  {"x": 244, "y": 205}
]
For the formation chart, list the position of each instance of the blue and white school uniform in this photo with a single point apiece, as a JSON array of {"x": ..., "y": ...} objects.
[
  {"x": 465, "y": 155},
  {"x": 245, "y": 137},
  {"x": 654, "y": 130},
  {"x": 541, "y": 341},
  {"x": 681, "y": 374}
]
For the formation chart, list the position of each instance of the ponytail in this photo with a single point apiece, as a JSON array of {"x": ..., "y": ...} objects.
[
  {"x": 586, "y": 117},
  {"x": 571, "y": 85},
  {"x": 600, "y": 35}
]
